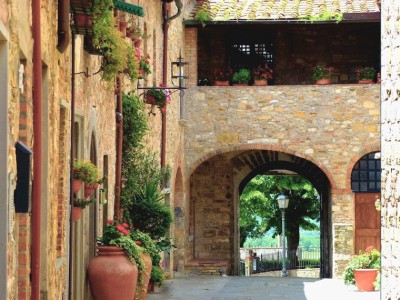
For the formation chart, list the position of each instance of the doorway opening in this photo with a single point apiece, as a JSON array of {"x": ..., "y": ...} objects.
[{"x": 260, "y": 226}]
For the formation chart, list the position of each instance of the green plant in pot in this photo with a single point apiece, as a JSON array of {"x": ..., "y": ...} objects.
[
  {"x": 241, "y": 77},
  {"x": 85, "y": 170},
  {"x": 322, "y": 74},
  {"x": 368, "y": 260},
  {"x": 365, "y": 74}
]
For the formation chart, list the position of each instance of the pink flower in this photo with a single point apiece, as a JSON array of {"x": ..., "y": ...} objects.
[
  {"x": 120, "y": 228},
  {"x": 125, "y": 225},
  {"x": 110, "y": 222}
]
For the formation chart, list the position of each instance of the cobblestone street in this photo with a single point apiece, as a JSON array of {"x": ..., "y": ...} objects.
[{"x": 258, "y": 288}]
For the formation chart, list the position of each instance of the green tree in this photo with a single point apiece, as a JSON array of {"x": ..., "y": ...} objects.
[{"x": 259, "y": 211}]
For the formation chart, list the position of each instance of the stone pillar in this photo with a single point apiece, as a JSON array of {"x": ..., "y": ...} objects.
[
  {"x": 248, "y": 263},
  {"x": 191, "y": 55}
]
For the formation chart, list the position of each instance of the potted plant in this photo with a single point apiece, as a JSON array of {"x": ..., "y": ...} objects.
[
  {"x": 83, "y": 171},
  {"x": 241, "y": 77},
  {"x": 362, "y": 269},
  {"x": 158, "y": 97},
  {"x": 365, "y": 75},
  {"x": 144, "y": 64},
  {"x": 79, "y": 204},
  {"x": 113, "y": 273},
  {"x": 221, "y": 76},
  {"x": 322, "y": 74},
  {"x": 262, "y": 74}
]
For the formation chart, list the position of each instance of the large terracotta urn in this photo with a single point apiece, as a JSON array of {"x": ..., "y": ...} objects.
[
  {"x": 365, "y": 279},
  {"x": 112, "y": 275}
]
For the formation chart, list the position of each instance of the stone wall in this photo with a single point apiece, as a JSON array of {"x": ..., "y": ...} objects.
[{"x": 331, "y": 126}]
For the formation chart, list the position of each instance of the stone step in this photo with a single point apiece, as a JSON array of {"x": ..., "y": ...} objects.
[{"x": 207, "y": 267}]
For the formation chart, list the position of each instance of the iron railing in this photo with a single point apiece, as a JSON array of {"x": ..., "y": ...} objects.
[{"x": 271, "y": 260}]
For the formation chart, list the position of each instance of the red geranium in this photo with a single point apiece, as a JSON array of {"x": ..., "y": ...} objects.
[{"x": 263, "y": 72}]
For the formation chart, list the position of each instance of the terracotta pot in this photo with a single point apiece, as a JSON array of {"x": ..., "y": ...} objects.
[
  {"x": 89, "y": 189},
  {"x": 76, "y": 185},
  {"x": 76, "y": 213},
  {"x": 112, "y": 275},
  {"x": 221, "y": 83},
  {"x": 240, "y": 84},
  {"x": 122, "y": 26},
  {"x": 260, "y": 82},
  {"x": 365, "y": 81},
  {"x": 323, "y": 81},
  {"x": 83, "y": 20},
  {"x": 142, "y": 293},
  {"x": 365, "y": 279}
]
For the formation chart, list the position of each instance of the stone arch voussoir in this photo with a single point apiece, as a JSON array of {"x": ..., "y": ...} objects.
[{"x": 277, "y": 148}]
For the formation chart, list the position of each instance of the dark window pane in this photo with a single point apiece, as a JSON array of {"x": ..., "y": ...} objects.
[
  {"x": 363, "y": 186},
  {"x": 355, "y": 186},
  {"x": 363, "y": 165},
  {"x": 372, "y": 186},
  {"x": 363, "y": 175},
  {"x": 378, "y": 175},
  {"x": 371, "y": 165},
  {"x": 354, "y": 175},
  {"x": 378, "y": 185},
  {"x": 378, "y": 164},
  {"x": 372, "y": 175}
]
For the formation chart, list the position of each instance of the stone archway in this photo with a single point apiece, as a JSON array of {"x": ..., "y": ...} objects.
[{"x": 215, "y": 187}]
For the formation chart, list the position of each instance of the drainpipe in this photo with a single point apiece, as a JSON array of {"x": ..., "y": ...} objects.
[
  {"x": 165, "y": 12},
  {"x": 71, "y": 170},
  {"x": 118, "y": 162},
  {"x": 63, "y": 25},
  {"x": 37, "y": 151}
]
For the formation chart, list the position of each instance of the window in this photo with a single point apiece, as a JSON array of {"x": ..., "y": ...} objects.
[
  {"x": 366, "y": 174},
  {"x": 250, "y": 54}
]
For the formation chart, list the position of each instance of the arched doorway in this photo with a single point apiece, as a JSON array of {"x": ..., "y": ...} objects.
[
  {"x": 366, "y": 184},
  {"x": 215, "y": 187}
]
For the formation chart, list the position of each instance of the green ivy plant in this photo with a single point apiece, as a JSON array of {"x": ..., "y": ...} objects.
[{"x": 118, "y": 55}]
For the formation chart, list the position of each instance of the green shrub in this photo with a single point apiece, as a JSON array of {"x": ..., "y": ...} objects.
[{"x": 241, "y": 76}]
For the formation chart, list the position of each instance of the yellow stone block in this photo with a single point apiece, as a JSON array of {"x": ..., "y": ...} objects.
[
  {"x": 369, "y": 104},
  {"x": 300, "y": 114},
  {"x": 226, "y": 138}
]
